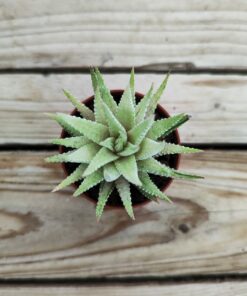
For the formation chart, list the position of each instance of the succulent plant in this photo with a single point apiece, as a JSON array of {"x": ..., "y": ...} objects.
[{"x": 116, "y": 144}]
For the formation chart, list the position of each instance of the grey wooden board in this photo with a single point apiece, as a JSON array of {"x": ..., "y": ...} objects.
[
  {"x": 53, "y": 235},
  {"x": 153, "y": 35},
  {"x": 217, "y": 104},
  {"x": 134, "y": 289}
]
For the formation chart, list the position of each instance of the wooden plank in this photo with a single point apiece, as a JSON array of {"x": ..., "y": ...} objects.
[
  {"x": 150, "y": 289},
  {"x": 156, "y": 35},
  {"x": 52, "y": 235},
  {"x": 217, "y": 104}
]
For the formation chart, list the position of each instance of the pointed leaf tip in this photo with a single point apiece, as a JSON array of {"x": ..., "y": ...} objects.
[
  {"x": 132, "y": 85},
  {"x": 123, "y": 188},
  {"x": 104, "y": 193},
  {"x": 150, "y": 187},
  {"x": 50, "y": 115},
  {"x": 142, "y": 107},
  {"x": 126, "y": 109},
  {"x": 55, "y": 189},
  {"x": 81, "y": 107},
  {"x": 89, "y": 182},
  {"x": 157, "y": 95},
  {"x": 170, "y": 148},
  {"x": 165, "y": 126}
]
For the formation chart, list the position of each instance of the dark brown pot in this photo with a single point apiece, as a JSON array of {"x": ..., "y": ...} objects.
[{"x": 137, "y": 198}]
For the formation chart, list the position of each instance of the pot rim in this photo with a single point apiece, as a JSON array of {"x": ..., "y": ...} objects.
[{"x": 163, "y": 188}]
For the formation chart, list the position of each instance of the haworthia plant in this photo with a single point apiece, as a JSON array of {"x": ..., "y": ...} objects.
[{"x": 117, "y": 144}]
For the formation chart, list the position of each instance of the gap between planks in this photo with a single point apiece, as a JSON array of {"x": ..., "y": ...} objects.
[
  {"x": 90, "y": 281},
  {"x": 183, "y": 69},
  {"x": 147, "y": 289},
  {"x": 53, "y": 147}
]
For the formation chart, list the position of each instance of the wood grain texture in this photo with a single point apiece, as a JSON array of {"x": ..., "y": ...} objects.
[
  {"x": 150, "y": 289},
  {"x": 153, "y": 35},
  {"x": 52, "y": 235},
  {"x": 217, "y": 104}
]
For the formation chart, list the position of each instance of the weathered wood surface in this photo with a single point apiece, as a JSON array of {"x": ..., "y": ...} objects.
[
  {"x": 53, "y": 235},
  {"x": 217, "y": 104},
  {"x": 153, "y": 35},
  {"x": 150, "y": 289}
]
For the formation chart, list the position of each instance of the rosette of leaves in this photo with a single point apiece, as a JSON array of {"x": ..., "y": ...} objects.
[{"x": 117, "y": 144}]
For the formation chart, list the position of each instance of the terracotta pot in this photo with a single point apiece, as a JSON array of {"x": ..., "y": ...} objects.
[{"x": 137, "y": 198}]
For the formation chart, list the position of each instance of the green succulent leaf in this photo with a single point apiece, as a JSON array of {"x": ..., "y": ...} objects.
[
  {"x": 94, "y": 131},
  {"x": 115, "y": 127},
  {"x": 120, "y": 143},
  {"x": 123, "y": 188},
  {"x": 103, "y": 157},
  {"x": 72, "y": 142},
  {"x": 155, "y": 98},
  {"x": 185, "y": 175},
  {"x": 127, "y": 167},
  {"x": 98, "y": 109},
  {"x": 63, "y": 157},
  {"x": 126, "y": 110},
  {"x": 132, "y": 85},
  {"x": 147, "y": 195},
  {"x": 129, "y": 150},
  {"x": 63, "y": 123},
  {"x": 89, "y": 182},
  {"x": 149, "y": 148},
  {"x": 72, "y": 178},
  {"x": 85, "y": 154},
  {"x": 108, "y": 143},
  {"x": 164, "y": 127},
  {"x": 153, "y": 166},
  {"x": 138, "y": 133},
  {"x": 149, "y": 187},
  {"x": 142, "y": 107},
  {"x": 104, "y": 91},
  {"x": 170, "y": 148},
  {"x": 110, "y": 172},
  {"x": 104, "y": 193},
  {"x": 94, "y": 79},
  {"x": 83, "y": 109}
]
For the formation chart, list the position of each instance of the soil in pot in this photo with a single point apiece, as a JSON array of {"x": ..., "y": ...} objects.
[{"x": 137, "y": 198}]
